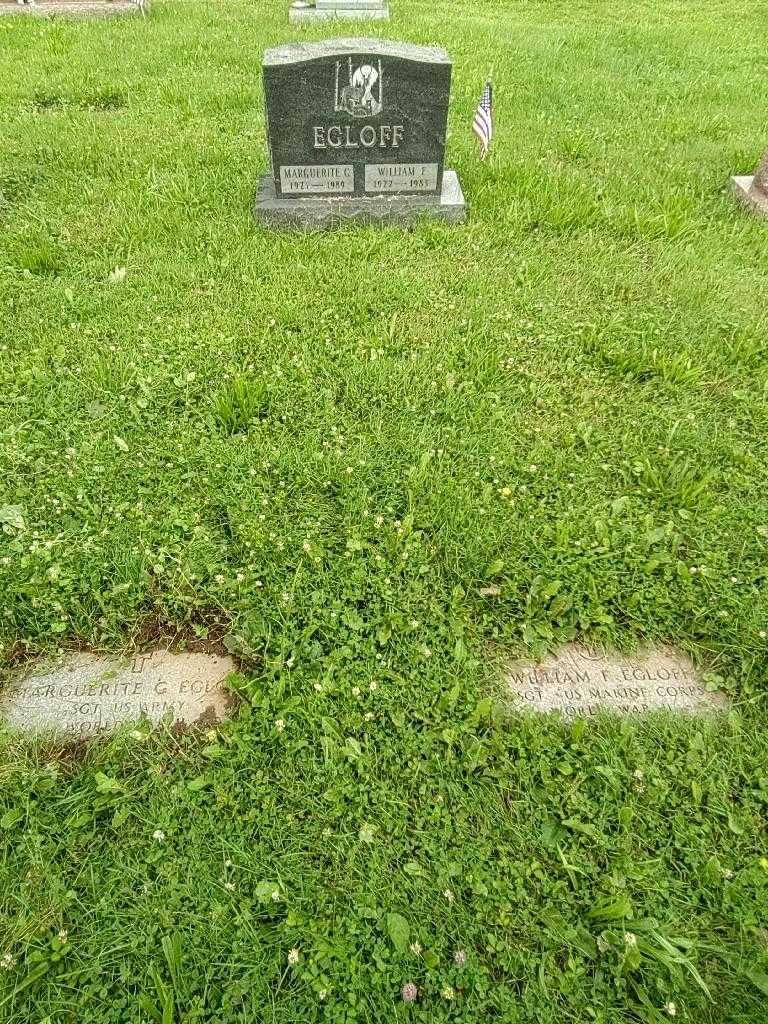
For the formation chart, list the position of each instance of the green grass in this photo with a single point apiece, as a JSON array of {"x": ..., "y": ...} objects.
[{"x": 307, "y": 442}]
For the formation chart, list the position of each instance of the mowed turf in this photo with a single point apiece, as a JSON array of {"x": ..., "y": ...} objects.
[{"x": 323, "y": 449}]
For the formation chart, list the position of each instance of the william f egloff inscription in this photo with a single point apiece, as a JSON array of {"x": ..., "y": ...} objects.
[{"x": 580, "y": 681}]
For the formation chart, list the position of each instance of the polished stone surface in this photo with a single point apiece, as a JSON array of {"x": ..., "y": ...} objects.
[
  {"x": 82, "y": 694},
  {"x": 340, "y": 107},
  {"x": 578, "y": 680},
  {"x": 318, "y": 213}
]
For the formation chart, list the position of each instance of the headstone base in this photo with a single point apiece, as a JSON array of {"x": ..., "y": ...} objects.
[
  {"x": 319, "y": 213},
  {"x": 741, "y": 186},
  {"x": 307, "y": 12},
  {"x": 71, "y": 8}
]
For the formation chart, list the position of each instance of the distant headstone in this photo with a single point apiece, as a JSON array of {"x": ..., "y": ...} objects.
[
  {"x": 357, "y": 131},
  {"x": 752, "y": 190},
  {"x": 580, "y": 681},
  {"x": 72, "y": 8},
  {"x": 86, "y": 693},
  {"x": 318, "y": 10}
]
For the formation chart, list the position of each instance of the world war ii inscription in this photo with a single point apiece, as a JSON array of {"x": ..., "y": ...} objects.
[
  {"x": 88, "y": 693},
  {"x": 578, "y": 680},
  {"x": 360, "y": 124}
]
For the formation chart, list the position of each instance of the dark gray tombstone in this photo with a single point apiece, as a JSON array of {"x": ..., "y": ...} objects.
[
  {"x": 752, "y": 189},
  {"x": 356, "y": 131}
]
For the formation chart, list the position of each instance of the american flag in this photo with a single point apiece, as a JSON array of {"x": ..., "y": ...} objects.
[{"x": 482, "y": 125}]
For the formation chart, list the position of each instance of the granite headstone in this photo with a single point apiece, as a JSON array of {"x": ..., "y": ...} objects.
[
  {"x": 752, "y": 189},
  {"x": 357, "y": 131}
]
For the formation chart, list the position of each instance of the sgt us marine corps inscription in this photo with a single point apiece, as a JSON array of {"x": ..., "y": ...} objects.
[
  {"x": 357, "y": 130},
  {"x": 580, "y": 681}
]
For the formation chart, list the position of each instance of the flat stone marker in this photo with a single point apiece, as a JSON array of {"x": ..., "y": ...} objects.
[
  {"x": 71, "y": 8},
  {"x": 580, "y": 681},
  {"x": 85, "y": 693},
  {"x": 356, "y": 131},
  {"x": 319, "y": 10},
  {"x": 752, "y": 190}
]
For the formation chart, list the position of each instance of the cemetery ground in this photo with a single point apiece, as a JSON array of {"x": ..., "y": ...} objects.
[{"x": 372, "y": 464}]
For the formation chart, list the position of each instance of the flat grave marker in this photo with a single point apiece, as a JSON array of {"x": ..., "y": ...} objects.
[
  {"x": 356, "y": 131},
  {"x": 578, "y": 680},
  {"x": 84, "y": 694}
]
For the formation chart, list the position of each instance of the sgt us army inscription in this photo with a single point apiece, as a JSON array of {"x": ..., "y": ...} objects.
[
  {"x": 86, "y": 693},
  {"x": 357, "y": 131}
]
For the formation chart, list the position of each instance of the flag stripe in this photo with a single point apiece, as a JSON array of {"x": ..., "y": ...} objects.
[{"x": 482, "y": 123}]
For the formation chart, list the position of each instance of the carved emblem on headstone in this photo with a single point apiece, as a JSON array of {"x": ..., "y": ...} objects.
[{"x": 357, "y": 97}]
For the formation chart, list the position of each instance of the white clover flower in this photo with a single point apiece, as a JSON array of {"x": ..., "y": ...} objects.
[
  {"x": 415, "y": 948},
  {"x": 279, "y": 724},
  {"x": 63, "y": 935},
  {"x": 373, "y": 686},
  {"x": 318, "y": 687},
  {"x": 670, "y": 1008},
  {"x": 448, "y": 893},
  {"x": 630, "y": 939},
  {"x": 7, "y": 961},
  {"x": 356, "y": 691},
  {"x": 448, "y": 993},
  {"x": 229, "y": 886},
  {"x": 293, "y": 957},
  {"x": 158, "y": 835},
  {"x": 276, "y": 896}
]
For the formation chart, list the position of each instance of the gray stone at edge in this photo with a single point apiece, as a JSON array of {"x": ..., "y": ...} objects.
[
  {"x": 743, "y": 188},
  {"x": 356, "y": 118},
  {"x": 752, "y": 189},
  {"x": 318, "y": 213},
  {"x": 83, "y": 694}
]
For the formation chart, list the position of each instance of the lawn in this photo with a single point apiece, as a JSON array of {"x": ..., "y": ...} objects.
[{"x": 373, "y": 463}]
